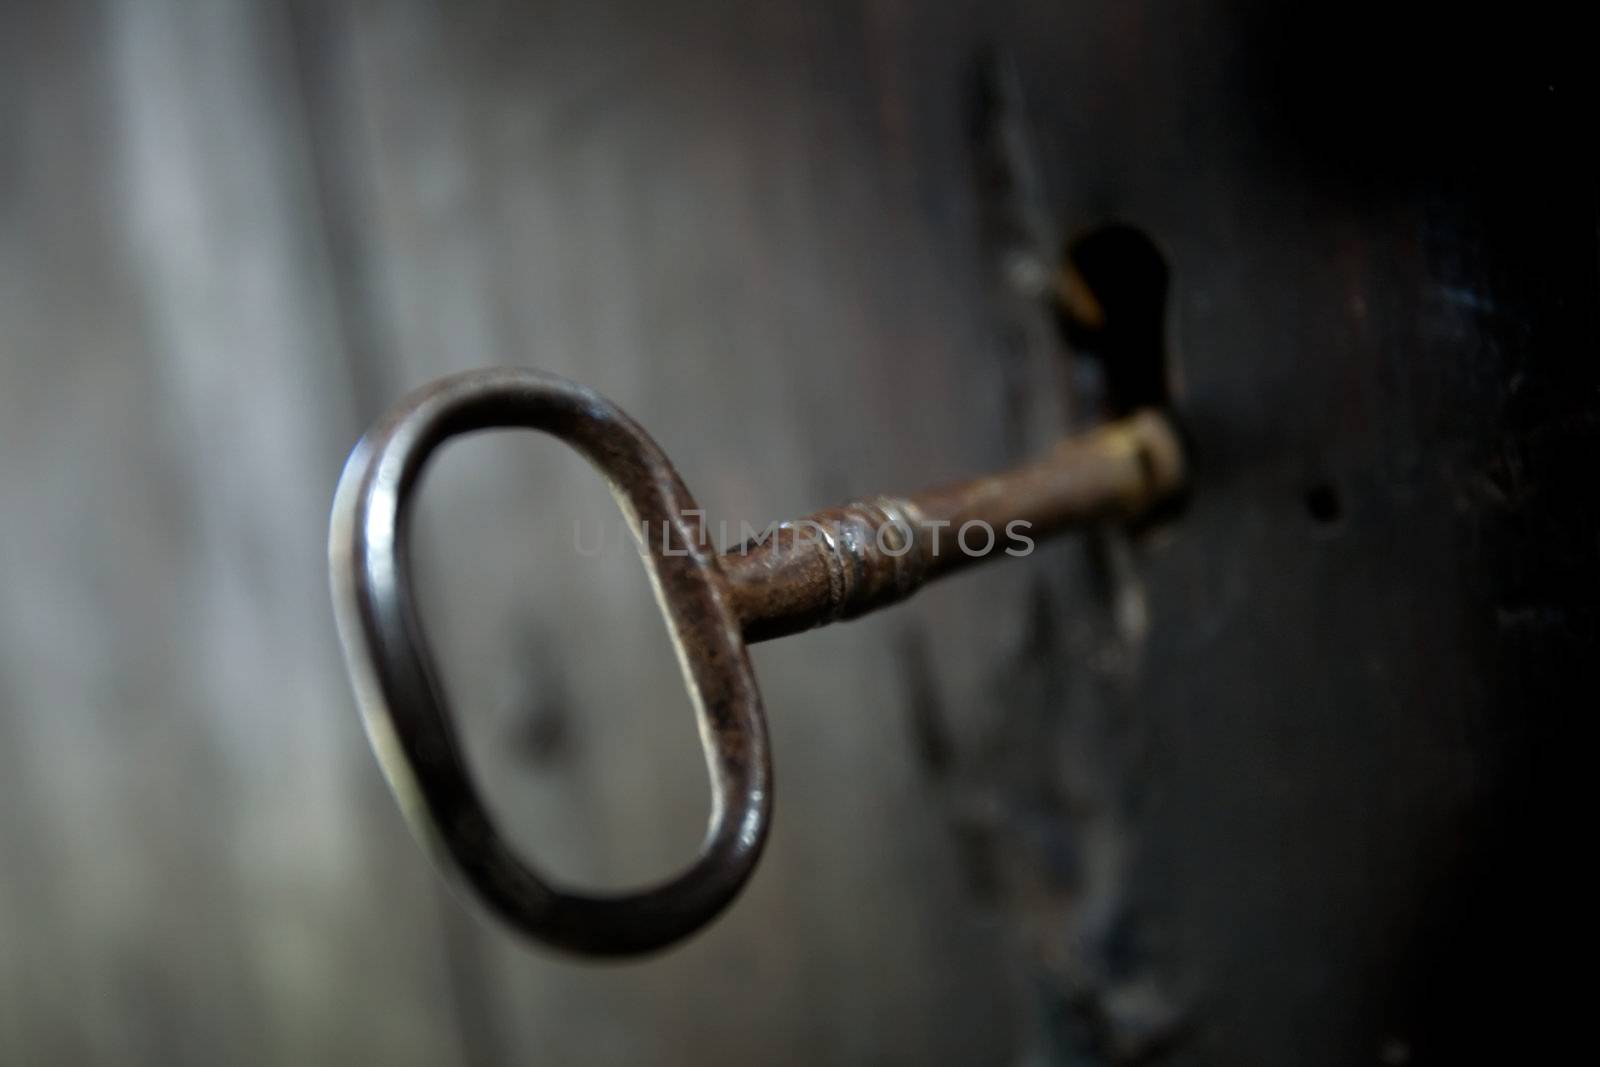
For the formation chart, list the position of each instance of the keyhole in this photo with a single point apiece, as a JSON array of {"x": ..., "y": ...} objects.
[
  {"x": 1111, "y": 297},
  {"x": 1110, "y": 301}
]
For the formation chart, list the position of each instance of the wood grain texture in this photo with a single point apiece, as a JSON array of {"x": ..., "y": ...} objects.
[
  {"x": 235, "y": 236},
  {"x": 1284, "y": 785}
]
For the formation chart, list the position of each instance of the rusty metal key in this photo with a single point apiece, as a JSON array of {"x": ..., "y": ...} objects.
[{"x": 835, "y": 564}]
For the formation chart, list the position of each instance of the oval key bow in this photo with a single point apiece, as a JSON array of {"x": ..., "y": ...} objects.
[{"x": 407, "y": 712}]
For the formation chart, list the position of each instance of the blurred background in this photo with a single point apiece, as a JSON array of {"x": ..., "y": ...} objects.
[{"x": 1287, "y": 781}]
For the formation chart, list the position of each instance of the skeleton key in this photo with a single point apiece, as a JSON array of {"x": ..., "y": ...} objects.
[{"x": 836, "y": 564}]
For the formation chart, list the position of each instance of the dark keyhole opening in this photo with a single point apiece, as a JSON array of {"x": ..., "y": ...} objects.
[
  {"x": 1111, "y": 305},
  {"x": 1111, "y": 297}
]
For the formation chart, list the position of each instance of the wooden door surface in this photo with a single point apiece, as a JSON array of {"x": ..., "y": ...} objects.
[{"x": 1283, "y": 781}]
